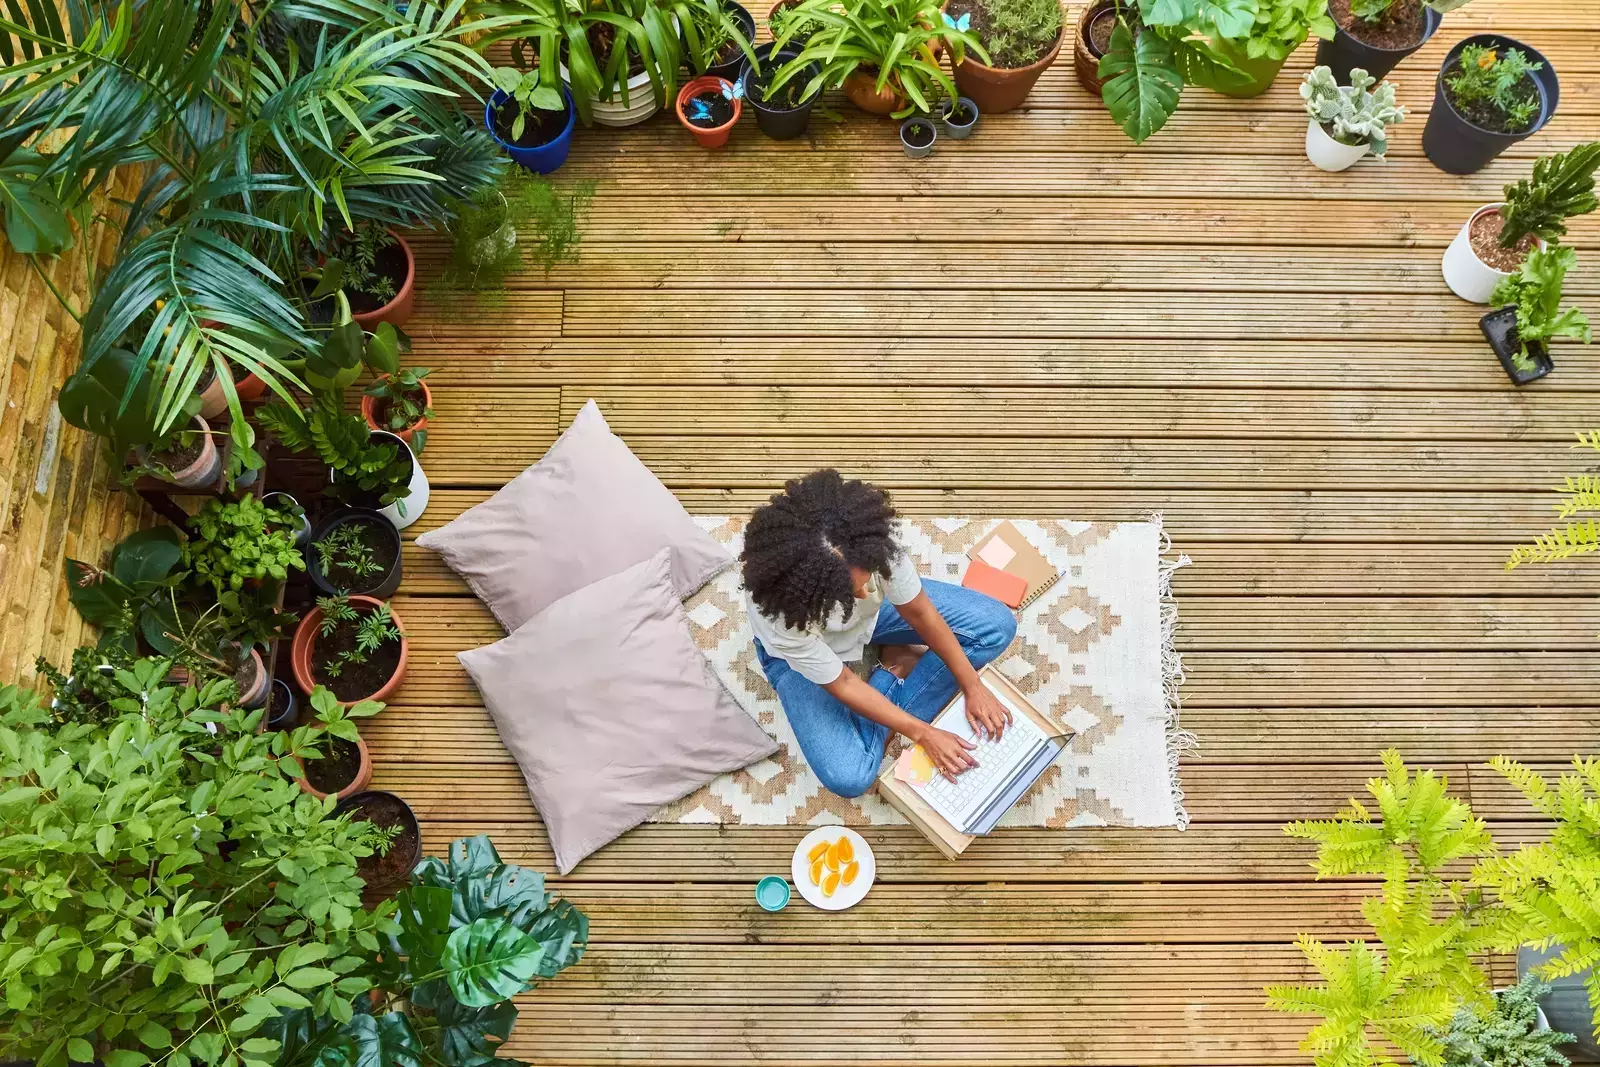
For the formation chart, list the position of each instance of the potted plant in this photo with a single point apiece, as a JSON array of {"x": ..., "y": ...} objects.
[
  {"x": 356, "y": 550},
  {"x": 131, "y": 597},
  {"x": 783, "y": 113},
  {"x": 1091, "y": 41},
  {"x": 376, "y": 271},
  {"x": 1022, "y": 37},
  {"x": 402, "y": 404},
  {"x": 708, "y": 107},
  {"x": 718, "y": 36},
  {"x": 1491, "y": 93},
  {"x": 187, "y": 457},
  {"x": 286, "y": 504},
  {"x": 353, "y": 645},
  {"x": 917, "y": 135},
  {"x": 1376, "y": 35},
  {"x": 1494, "y": 240},
  {"x": 1531, "y": 314},
  {"x": 235, "y": 542},
  {"x": 1280, "y": 27},
  {"x": 335, "y": 762},
  {"x": 389, "y": 867},
  {"x": 532, "y": 121},
  {"x": 1512, "y": 1033},
  {"x": 214, "y": 397},
  {"x": 1347, "y": 121},
  {"x": 783, "y": 23},
  {"x": 282, "y": 711},
  {"x": 885, "y": 53},
  {"x": 959, "y": 116}
]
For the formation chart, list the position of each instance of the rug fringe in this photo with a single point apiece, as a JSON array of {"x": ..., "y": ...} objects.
[{"x": 1180, "y": 742}]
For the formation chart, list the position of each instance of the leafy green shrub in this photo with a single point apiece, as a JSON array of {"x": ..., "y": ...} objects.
[
  {"x": 399, "y": 403},
  {"x": 236, "y": 541},
  {"x": 361, "y": 467},
  {"x": 169, "y": 890},
  {"x": 1159, "y": 46},
  {"x": 135, "y": 595},
  {"x": 1281, "y": 26},
  {"x": 1495, "y": 90},
  {"x": 1535, "y": 291},
  {"x": 1506, "y": 1035}
]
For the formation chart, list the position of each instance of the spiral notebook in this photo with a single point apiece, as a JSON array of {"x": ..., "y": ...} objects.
[{"x": 1005, "y": 549}]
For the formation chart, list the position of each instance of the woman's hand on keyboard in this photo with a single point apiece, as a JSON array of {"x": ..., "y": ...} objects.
[
  {"x": 950, "y": 754},
  {"x": 988, "y": 716}
]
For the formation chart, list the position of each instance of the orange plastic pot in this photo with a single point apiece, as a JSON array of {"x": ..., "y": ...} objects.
[
  {"x": 861, "y": 89},
  {"x": 305, "y": 640},
  {"x": 397, "y": 311},
  {"x": 716, "y": 136},
  {"x": 357, "y": 784},
  {"x": 369, "y": 407},
  {"x": 1000, "y": 89}
]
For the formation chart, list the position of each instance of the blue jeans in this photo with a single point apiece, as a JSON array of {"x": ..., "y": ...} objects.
[{"x": 845, "y": 749}]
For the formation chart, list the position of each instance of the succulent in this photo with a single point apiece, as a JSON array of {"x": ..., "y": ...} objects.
[
  {"x": 1352, "y": 114},
  {"x": 1562, "y": 186}
]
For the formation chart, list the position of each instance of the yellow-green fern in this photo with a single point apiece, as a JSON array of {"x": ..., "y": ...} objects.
[{"x": 1581, "y": 494}]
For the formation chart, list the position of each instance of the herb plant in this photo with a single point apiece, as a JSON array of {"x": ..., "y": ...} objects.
[
  {"x": 1018, "y": 32},
  {"x": 1377, "y": 10},
  {"x": 170, "y": 890},
  {"x": 1535, "y": 291},
  {"x": 1562, "y": 187},
  {"x": 1581, "y": 496},
  {"x": 1281, "y": 26},
  {"x": 87, "y": 693},
  {"x": 1505, "y": 1036},
  {"x": 356, "y": 252},
  {"x": 234, "y": 542},
  {"x": 345, "y": 548},
  {"x": 891, "y": 41},
  {"x": 400, "y": 401},
  {"x": 373, "y": 630},
  {"x": 1352, "y": 114},
  {"x": 1495, "y": 90},
  {"x": 527, "y": 94}
]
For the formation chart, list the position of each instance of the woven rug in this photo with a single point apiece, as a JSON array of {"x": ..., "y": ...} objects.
[{"x": 1094, "y": 653}]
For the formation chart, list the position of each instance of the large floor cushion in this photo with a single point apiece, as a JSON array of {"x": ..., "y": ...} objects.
[
  {"x": 588, "y": 509},
  {"x": 610, "y": 709}
]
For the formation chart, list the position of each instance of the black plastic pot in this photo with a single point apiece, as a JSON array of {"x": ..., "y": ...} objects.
[
  {"x": 747, "y": 26},
  {"x": 777, "y": 123},
  {"x": 1500, "y": 327},
  {"x": 383, "y": 588},
  {"x": 394, "y": 868},
  {"x": 1344, "y": 52},
  {"x": 283, "y": 710},
  {"x": 1457, "y": 146}
]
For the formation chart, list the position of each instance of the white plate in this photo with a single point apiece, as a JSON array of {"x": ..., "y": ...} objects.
[{"x": 845, "y": 896}]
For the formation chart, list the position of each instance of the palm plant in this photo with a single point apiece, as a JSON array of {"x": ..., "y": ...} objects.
[
  {"x": 896, "y": 42},
  {"x": 1159, "y": 46},
  {"x": 261, "y": 129}
]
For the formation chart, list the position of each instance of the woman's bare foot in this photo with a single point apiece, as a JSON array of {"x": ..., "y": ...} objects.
[{"x": 899, "y": 659}]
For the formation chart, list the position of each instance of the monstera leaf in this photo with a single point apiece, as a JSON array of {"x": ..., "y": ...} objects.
[
  {"x": 563, "y": 934},
  {"x": 424, "y": 914},
  {"x": 306, "y": 1039},
  {"x": 484, "y": 885},
  {"x": 489, "y": 961},
  {"x": 465, "y": 1035},
  {"x": 387, "y": 1040},
  {"x": 1142, "y": 82}
]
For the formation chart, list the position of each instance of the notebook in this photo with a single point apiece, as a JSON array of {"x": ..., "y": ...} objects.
[
  {"x": 1005, "y": 549},
  {"x": 1009, "y": 589},
  {"x": 952, "y": 814}
]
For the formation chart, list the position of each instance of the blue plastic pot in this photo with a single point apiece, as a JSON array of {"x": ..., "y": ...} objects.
[{"x": 545, "y": 158}]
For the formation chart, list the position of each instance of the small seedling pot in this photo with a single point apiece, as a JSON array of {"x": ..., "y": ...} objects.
[
  {"x": 1329, "y": 154},
  {"x": 541, "y": 159},
  {"x": 283, "y": 710},
  {"x": 383, "y": 586},
  {"x": 715, "y": 136},
  {"x": 918, "y": 151},
  {"x": 206, "y": 467},
  {"x": 777, "y": 123},
  {"x": 1469, "y": 277},
  {"x": 1344, "y": 52},
  {"x": 396, "y": 312},
  {"x": 1085, "y": 58},
  {"x": 1000, "y": 89},
  {"x": 958, "y": 131},
  {"x": 305, "y": 640},
  {"x": 1457, "y": 146},
  {"x": 1500, "y": 327},
  {"x": 730, "y": 69},
  {"x": 369, "y": 408}
]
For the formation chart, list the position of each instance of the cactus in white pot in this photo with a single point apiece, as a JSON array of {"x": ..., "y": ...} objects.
[{"x": 1347, "y": 121}]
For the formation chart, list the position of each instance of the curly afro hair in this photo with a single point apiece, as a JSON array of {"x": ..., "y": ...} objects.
[{"x": 799, "y": 548}]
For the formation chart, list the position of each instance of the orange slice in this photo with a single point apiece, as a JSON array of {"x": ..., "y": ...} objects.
[
  {"x": 818, "y": 850},
  {"x": 833, "y": 856},
  {"x": 849, "y": 873},
  {"x": 816, "y": 873},
  {"x": 830, "y": 883},
  {"x": 847, "y": 851}
]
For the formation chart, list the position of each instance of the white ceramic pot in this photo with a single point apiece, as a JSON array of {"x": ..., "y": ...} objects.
[
  {"x": 641, "y": 100},
  {"x": 407, "y": 511},
  {"x": 1469, "y": 277},
  {"x": 1329, "y": 154}
]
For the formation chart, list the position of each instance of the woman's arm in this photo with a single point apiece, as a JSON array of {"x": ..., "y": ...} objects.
[
  {"x": 948, "y": 752},
  {"x": 984, "y": 710}
]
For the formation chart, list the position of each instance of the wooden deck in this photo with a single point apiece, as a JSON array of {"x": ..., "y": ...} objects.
[{"x": 1045, "y": 321}]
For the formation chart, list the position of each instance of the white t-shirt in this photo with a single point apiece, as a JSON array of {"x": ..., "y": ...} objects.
[{"x": 820, "y": 654}]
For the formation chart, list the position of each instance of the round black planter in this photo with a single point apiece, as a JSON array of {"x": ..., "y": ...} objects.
[
  {"x": 382, "y": 589},
  {"x": 747, "y": 26},
  {"x": 1344, "y": 52},
  {"x": 1500, "y": 327},
  {"x": 1455, "y": 145},
  {"x": 776, "y": 123},
  {"x": 285, "y": 711},
  {"x": 407, "y": 844}
]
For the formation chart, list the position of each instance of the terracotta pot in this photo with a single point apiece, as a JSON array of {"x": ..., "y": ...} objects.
[
  {"x": 305, "y": 639},
  {"x": 214, "y": 401},
  {"x": 1084, "y": 62},
  {"x": 1000, "y": 89},
  {"x": 397, "y": 311},
  {"x": 357, "y": 784},
  {"x": 256, "y": 696},
  {"x": 206, "y": 468},
  {"x": 860, "y": 87},
  {"x": 369, "y": 405},
  {"x": 716, "y": 136}
]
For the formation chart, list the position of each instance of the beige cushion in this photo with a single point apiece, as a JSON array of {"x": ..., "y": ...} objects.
[
  {"x": 610, "y": 709},
  {"x": 589, "y": 508}
]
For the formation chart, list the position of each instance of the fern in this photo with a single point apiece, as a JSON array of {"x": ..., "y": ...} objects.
[{"x": 1581, "y": 494}]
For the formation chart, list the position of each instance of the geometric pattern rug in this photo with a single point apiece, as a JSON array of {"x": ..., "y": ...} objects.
[{"x": 1094, "y": 653}]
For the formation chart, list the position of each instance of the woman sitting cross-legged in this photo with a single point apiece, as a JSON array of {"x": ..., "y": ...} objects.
[{"x": 825, "y": 577}]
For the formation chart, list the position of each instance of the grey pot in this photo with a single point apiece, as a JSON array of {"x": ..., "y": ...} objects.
[
  {"x": 285, "y": 502},
  {"x": 1566, "y": 1006},
  {"x": 915, "y": 151},
  {"x": 953, "y": 130}
]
